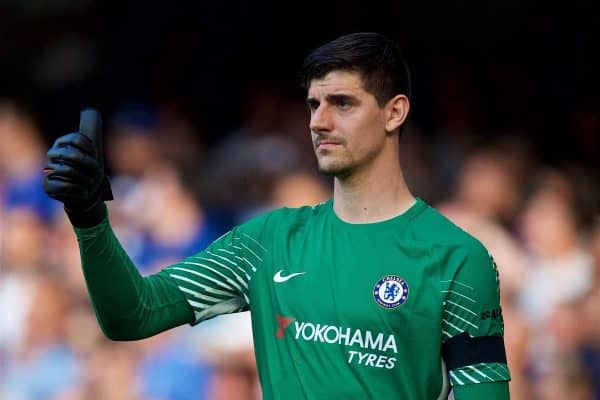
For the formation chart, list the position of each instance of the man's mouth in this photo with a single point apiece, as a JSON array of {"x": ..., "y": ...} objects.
[{"x": 327, "y": 144}]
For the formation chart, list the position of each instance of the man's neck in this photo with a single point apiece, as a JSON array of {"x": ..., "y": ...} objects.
[{"x": 371, "y": 196}]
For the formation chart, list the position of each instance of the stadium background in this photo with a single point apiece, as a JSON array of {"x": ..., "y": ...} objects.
[{"x": 206, "y": 126}]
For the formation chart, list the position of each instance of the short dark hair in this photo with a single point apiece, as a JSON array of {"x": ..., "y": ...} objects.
[{"x": 376, "y": 58}]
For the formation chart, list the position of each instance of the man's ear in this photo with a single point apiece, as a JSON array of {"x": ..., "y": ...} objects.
[{"x": 396, "y": 112}]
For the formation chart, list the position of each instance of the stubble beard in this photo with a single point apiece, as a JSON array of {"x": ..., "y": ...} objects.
[
  {"x": 345, "y": 165},
  {"x": 337, "y": 168}
]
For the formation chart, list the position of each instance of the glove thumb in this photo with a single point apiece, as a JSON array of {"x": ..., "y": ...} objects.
[{"x": 90, "y": 125}]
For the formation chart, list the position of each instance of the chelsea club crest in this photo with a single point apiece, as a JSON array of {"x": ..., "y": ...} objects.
[{"x": 390, "y": 291}]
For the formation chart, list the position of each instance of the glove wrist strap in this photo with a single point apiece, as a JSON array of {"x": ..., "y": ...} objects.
[{"x": 88, "y": 217}]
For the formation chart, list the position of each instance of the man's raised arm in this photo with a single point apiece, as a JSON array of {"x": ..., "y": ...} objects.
[{"x": 128, "y": 306}]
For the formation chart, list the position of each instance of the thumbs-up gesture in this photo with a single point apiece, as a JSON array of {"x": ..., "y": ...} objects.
[{"x": 74, "y": 171}]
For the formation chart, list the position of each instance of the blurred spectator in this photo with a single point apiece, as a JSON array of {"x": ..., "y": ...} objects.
[
  {"x": 21, "y": 258},
  {"x": 173, "y": 224},
  {"x": 564, "y": 329},
  {"x": 227, "y": 346},
  {"x": 131, "y": 141},
  {"x": 560, "y": 267},
  {"x": 112, "y": 373},
  {"x": 171, "y": 367},
  {"x": 44, "y": 367},
  {"x": 299, "y": 189},
  {"x": 487, "y": 194},
  {"x": 154, "y": 158},
  {"x": 487, "y": 186},
  {"x": 565, "y": 378},
  {"x": 21, "y": 155},
  {"x": 243, "y": 167}
]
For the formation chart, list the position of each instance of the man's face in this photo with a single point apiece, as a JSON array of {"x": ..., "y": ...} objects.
[{"x": 346, "y": 123}]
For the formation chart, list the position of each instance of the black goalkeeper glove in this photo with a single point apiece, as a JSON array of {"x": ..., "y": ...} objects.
[{"x": 74, "y": 173}]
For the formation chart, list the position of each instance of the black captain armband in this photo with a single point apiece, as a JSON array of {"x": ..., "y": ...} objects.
[{"x": 462, "y": 350}]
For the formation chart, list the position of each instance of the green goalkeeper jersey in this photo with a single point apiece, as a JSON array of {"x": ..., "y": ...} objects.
[{"x": 398, "y": 309}]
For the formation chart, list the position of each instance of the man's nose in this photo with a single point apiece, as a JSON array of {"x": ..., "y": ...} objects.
[{"x": 320, "y": 119}]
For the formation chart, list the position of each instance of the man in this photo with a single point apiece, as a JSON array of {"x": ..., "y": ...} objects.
[{"x": 372, "y": 294}]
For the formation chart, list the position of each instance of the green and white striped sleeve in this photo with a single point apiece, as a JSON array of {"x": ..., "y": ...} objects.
[
  {"x": 472, "y": 325},
  {"x": 216, "y": 281}
]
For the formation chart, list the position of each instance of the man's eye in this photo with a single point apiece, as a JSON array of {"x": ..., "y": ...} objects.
[{"x": 344, "y": 105}]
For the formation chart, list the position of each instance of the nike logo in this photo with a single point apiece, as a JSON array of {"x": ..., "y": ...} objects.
[{"x": 280, "y": 278}]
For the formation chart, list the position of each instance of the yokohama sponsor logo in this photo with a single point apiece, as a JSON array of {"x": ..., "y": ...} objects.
[
  {"x": 332, "y": 334},
  {"x": 367, "y": 340}
]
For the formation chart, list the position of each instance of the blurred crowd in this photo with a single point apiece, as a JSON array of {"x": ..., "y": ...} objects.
[{"x": 174, "y": 195}]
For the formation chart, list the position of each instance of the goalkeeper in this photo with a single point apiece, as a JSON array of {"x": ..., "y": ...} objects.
[{"x": 372, "y": 294}]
